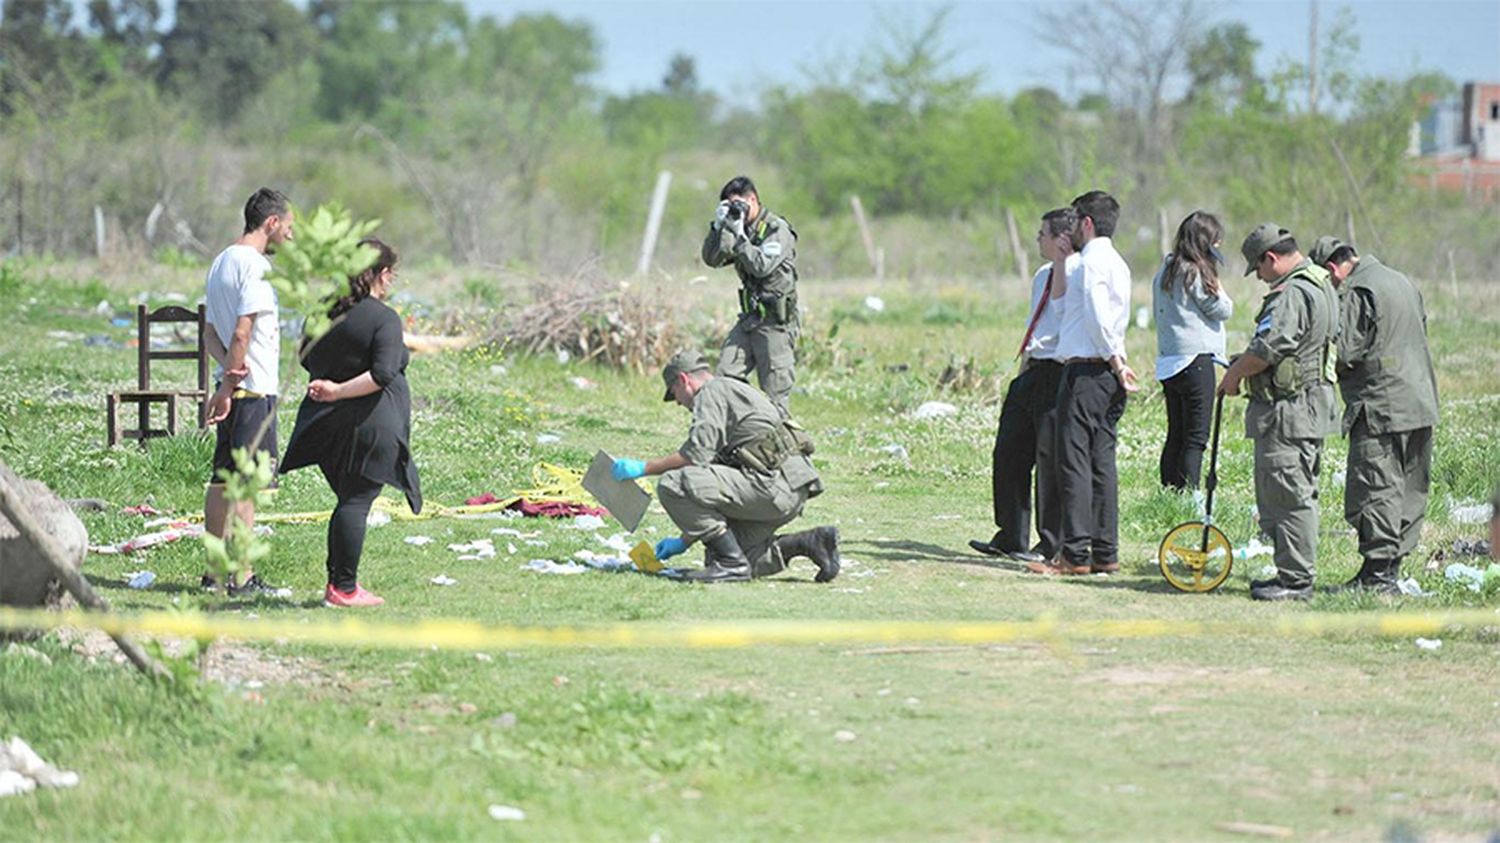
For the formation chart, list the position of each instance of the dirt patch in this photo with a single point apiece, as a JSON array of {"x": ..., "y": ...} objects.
[
  {"x": 1133, "y": 675},
  {"x": 228, "y": 662}
]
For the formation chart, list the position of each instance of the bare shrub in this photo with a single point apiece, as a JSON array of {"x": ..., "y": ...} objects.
[{"x": 593, "y": 317}]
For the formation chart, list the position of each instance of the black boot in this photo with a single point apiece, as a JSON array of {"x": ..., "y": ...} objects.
[
  {"x": 1362, "y": 580},
  {"x": 820, "y": 544},
  {"x": 1385, "y": 577},
  {"x": 723, "y": 561}
]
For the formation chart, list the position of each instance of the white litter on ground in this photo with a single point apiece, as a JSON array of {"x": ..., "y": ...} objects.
[
  {"x": 1411, "y": 588},
  {"x": 1254, "y": 549},
  {"x": 875, "y": 304},
  {"x": 934, "y": 410},
  {"x": 505, "y": 813},
  {"x": 443, "y": 579},
  {"x": 477, "y": 549},
  {"x": 586, "y": 522},
  {"x": 377, "y": 518},
  {"x": 548, "y": 439},
  {"x": 510, "y": 531},
  {"x": 1471, "y": 577},
  {"x": 1474, "y": 513},
  {"x": 140, "y": 580},
  {"x": 582, "y": 383},
  {"x": 619, "y": 542},
  {"x": 897, "y": 451},
  {"x": 418, "y": 540},
  {"x": 547, "y": 566},
  {"x": 22, "y": 770},
  {"x": 1429, "y": 643}
]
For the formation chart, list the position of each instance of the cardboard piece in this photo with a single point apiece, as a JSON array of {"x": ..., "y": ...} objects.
[
  {"x": 626, "y": 501},
  {"x": 644, "y": 557}
]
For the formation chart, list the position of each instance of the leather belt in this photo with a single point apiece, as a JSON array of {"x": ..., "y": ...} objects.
[{"x": 1071, "y": 360}]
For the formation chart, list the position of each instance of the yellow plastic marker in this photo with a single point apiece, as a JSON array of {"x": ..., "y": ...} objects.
[{"x": 644, "y": 557}]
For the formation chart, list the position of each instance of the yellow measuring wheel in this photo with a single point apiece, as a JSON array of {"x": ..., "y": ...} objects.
[{"x": 1196, "y": 556}]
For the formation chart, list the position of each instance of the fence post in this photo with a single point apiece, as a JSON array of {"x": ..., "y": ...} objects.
[
  {"x": 653, "y": 221},
  {"x": 1015, "y": 242},
  {"x": 876, "y": 264}
]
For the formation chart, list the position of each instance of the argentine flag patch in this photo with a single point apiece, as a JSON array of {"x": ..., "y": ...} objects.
[{"x": 771, "y": 249}]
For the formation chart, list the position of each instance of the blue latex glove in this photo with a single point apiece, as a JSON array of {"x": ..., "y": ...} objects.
[
  {"x": 628, "y": 469},
  {"x": 667, "y": 548}
]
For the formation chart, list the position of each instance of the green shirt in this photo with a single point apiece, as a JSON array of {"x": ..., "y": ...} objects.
[
  {"x": 729, "y": 413},
  {"x": 1385, "y": 368},
  {"x": 1298, "y": 318},
  {"x": 764, "y": 257}
]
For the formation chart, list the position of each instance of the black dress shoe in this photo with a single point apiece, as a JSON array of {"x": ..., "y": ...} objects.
[
  {"x": 1022, "y": 556},
  {"x": 1277, "y": 591},
  {"x": 1258, "y": 584}
]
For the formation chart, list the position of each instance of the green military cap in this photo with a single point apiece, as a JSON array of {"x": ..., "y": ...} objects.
[
  {"x": 689, "y": 360},
  {"x": 1322, "y": 251},
  {"x": 1260, "y": 241}
]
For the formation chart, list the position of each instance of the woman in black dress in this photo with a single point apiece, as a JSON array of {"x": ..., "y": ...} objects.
[{"x": 355, "y": 423}]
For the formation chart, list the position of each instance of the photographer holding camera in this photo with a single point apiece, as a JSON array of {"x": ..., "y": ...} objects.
[{"x": 763, "y": 249}]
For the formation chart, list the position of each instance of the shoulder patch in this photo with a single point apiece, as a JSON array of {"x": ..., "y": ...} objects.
[
  {"x": 1263, "y": 325},
  {"x": 771, "y": 248}
]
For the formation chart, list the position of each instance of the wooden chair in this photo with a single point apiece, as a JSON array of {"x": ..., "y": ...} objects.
[{"x": 145, "y": 395}]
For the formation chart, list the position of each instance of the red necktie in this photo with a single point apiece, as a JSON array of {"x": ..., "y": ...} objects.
[{"x": 1036, "y": 317}]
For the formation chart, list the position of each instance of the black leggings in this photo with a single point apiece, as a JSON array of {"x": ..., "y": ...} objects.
[
  {"x": 346, "y": 529},
  {"x": 1190, "y": 403}
]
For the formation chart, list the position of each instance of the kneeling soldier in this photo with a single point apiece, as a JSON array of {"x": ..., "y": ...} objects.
[
  {"x": 1390, "y": 408},
  {"x": 1290, "y": 368},
  {"x": 742, "y": 474}
]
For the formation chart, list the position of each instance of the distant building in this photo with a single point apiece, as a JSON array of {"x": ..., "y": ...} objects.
[{"x": 1457, "y": 145}]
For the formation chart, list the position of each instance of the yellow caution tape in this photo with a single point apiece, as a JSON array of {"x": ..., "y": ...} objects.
[
  {"x": 455, "y": 634},
  {"x": 554, "y": 484}
]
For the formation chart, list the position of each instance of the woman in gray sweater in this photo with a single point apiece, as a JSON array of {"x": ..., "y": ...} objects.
[{"x": 1191, "y": 308}]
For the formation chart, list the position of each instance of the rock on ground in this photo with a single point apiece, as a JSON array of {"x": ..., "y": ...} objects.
[{"x": 25, "y": 577}]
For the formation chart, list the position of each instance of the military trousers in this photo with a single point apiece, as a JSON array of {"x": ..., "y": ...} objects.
[
  {"x": 704, "y": 501},
  {"x": 1090, "y": 402},
  {"x": 767, "y": 349},
  {"x": 1286, "y": 496},
  {"x": 1026, "y": 438},
  {"x": 1385, "y": 494}
]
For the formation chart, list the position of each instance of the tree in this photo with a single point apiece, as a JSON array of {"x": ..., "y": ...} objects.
[
  {"x": 682, "y": 76},
  {"x": 1137, "y": 53},
  {"x": 1221, "y": 67},
  {"x": 219, "y": 55}
]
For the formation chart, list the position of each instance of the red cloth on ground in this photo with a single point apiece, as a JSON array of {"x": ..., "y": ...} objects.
[
  {"x": 481, "y": 500},
  {"x": 554, "y": 509}
]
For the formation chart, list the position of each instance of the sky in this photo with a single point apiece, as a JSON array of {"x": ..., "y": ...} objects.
[{"x": 742, "y": 47}]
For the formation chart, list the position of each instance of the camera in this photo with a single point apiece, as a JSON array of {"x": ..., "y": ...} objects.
[{"x": 738, "y": 209}]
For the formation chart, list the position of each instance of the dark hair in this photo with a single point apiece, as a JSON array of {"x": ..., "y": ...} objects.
[
  {"x": 1341, "y": 254},
  {"x": 361, "y": 282},
  {"x": 738, "y": 186},
  {"x": 1194, "y": 249},
  {"x": 264, "y": 204},
  {"x": 1101, "y": 208},
  {"x": 1059, "y": 220},
  {"x": 1285, "y": 247}
]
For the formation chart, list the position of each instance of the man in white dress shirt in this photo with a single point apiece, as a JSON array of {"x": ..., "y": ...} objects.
[
  {"x": 1027, "y": 434},
  {"x": 1091, "y": 394}
]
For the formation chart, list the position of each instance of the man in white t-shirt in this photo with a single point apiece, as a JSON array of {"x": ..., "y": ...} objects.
[{"x": 245, "y": 339}]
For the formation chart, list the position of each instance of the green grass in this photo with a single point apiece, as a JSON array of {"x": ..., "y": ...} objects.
[{"x": 1337, "y": 736}]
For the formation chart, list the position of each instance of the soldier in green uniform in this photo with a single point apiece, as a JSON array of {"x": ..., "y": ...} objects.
[
  {"x": 1390, "y": 408},
  {"x": 763, "y": 250},
  {"x": 742, "y": 474},
  {"x": 1289, "y": 365}
]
